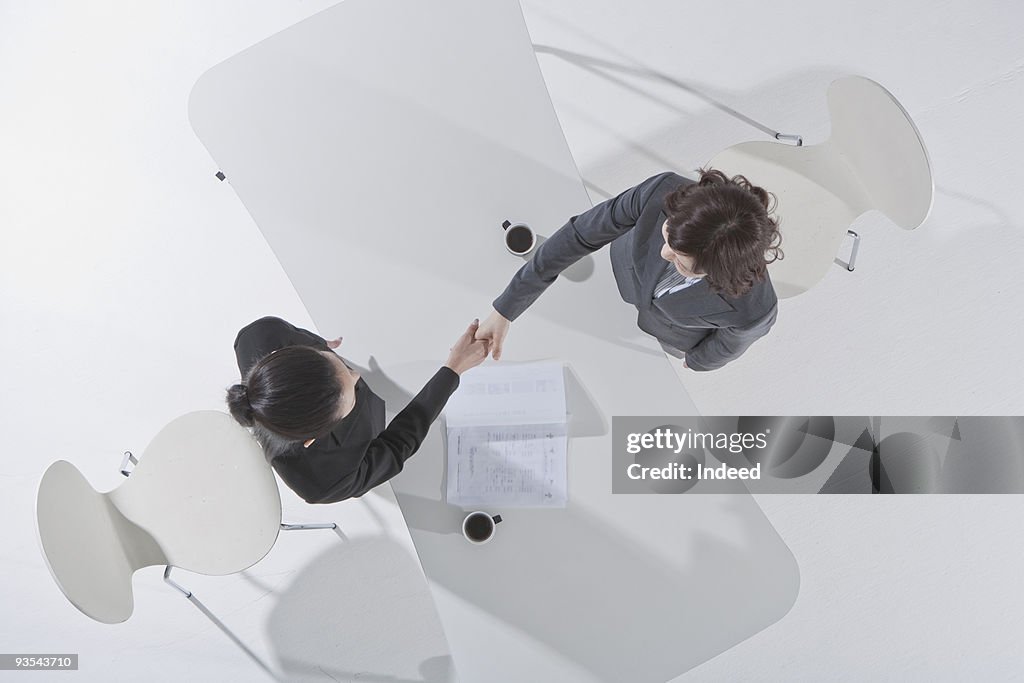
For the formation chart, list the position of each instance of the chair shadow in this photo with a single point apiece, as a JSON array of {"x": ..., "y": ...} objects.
[
  {"x": 360, "y": 611},
  {"x": 601, "y": 67}
]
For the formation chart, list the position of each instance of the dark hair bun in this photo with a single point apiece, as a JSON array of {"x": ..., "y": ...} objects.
[
  {"x": 293, "y": 392},
  {"x": 238, "y": 404}
]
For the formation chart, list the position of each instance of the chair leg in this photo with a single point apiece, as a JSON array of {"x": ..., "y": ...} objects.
[
  {"x": 177, "y": 586},
  {"x": 128, "y": 458},
  {"x": 301, "y": 527},
  {"x": 853, "y": 251},
  {"x": 209, "y": 615}
]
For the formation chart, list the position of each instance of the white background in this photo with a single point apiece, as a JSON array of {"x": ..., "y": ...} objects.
[{"x": 127, "y": 269}]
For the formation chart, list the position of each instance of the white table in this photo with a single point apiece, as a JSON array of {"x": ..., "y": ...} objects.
[{"x": 378, "y": 146}]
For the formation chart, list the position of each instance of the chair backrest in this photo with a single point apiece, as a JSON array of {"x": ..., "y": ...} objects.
[
  {"x": 874, "y": 158},
  {"x": 202, "y": 498}
]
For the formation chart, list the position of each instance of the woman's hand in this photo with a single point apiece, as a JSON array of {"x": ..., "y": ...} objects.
[
  {"x": 494, "y": 330},
  {"x": 467, "y": 352},
  {"x": 334, "y": 343}
]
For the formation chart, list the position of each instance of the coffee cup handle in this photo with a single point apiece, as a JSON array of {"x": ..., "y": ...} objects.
[
  {"x": 496, "y": 518},
  {"x": 506, "y": 225}
]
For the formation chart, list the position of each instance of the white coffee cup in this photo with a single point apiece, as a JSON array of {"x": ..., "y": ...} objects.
[
  {"x": 478, "y": 527},
  {"x": 519, "y": 238}
]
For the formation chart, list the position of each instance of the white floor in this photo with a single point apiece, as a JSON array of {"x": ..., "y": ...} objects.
[{"x": 127, "y": 268}]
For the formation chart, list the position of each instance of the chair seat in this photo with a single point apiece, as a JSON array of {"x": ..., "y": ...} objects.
[
  {"x": 202, "y": 498},
  {"x": 813, "y": 218},
  {"x": 874, "y": 159},
  {"x": 203, "y": 487},
  {"x": 80, "y": 531}
]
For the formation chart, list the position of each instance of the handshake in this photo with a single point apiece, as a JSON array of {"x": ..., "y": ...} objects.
[{"x": 477, "y": 342}]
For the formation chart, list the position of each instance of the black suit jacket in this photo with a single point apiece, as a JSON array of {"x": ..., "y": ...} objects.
[
  {"x": 712, "y": 329},
  {"x": 360, "y": 452}
]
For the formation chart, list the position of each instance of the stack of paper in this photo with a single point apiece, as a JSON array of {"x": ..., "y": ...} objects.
[{"x": 507, "y": 437}]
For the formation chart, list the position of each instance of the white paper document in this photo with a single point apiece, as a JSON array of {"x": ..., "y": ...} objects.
[{"x": 507, "y": 437}]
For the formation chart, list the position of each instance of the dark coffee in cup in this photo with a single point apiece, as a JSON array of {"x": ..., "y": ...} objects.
[
  {"x": 519, "y": 238},
  {"x": 478, "y": 527}
]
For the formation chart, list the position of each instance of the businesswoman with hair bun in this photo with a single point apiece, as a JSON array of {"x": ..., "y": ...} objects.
[{"x": 320, "y": 425}]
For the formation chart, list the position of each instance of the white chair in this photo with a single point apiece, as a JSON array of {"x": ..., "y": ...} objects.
[
  {"x": 203, "y": 498},
  {"x": 873, "y": 159}
]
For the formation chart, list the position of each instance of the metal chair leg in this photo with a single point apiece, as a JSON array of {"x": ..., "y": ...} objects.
[
  {"x": 791, "y": 138},
  {"x": 209, "y": 615},
  {"x": 301, "y": 527},
  {"x": 177, "y": 586},
  {"x": 128, "y": 457},
  {"x": 853, "y": 252}
]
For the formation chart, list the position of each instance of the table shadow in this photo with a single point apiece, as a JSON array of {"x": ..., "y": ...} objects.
[{"x": 660, "y": 621}]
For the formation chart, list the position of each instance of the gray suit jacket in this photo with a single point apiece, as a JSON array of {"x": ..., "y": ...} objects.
[{"x": 712, "y": 329}]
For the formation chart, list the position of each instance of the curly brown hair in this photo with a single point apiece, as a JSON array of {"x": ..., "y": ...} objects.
[{"x": 725, "y": 225}]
